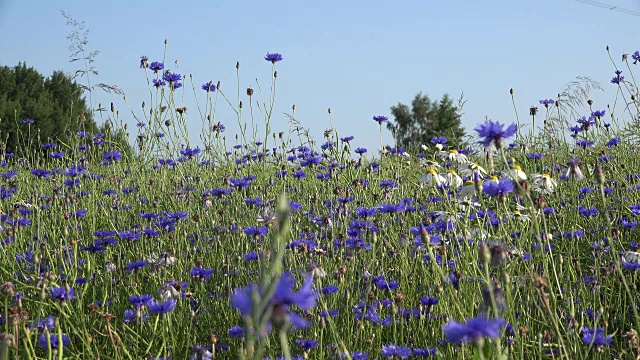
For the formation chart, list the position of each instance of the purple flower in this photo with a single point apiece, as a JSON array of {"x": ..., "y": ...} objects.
[
  {"x": 636, "y": 56},
  {"x": 62, "y": 294},
  {"x": 613, "y": 142},
  {"x": 546, "y": 102},
  {"x": 380, "y": 119},
  {"x": 474, "y": 329},
  {"x": 140, "y": 300},
  {"x": 159, "y": 83},
  {"x": 392, "y": 350},
  {"x": 209, "y": 87},
  {"x": 202, "y": 273},
  {"x": 172, "y": 79},
  {"x": 494, "y": 132},
  {"x": 27, "y": 121},
  {"x": 618, "y": 78},
  {"x": 111, "y": 156},
  {"x": 595, "y": 337},
  {"x": 156, "y": 66},
  {"x": 439, "y": 140},
  {"x": 281, "y": 300},
  {"x": 236, "y": 331},
  {"x": 273, "y": 58},
  {"x": 161, "y": 308},
  {"x": 136, "y": 265},
  {"x": 500, "y": 187},
  {"x": 53, "y": 339},
  {"x": 189, "y": 152},
  {"x": 306, "y": 344}
]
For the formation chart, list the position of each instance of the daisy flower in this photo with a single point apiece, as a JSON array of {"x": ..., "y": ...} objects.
[
  {"x": 453, "y": 155},
  {"x": 452, "y": 179},
  {"x": 432, "y": 178},
  {"x": 468, "y": 168},
  {"x": 543, "y": 183}
]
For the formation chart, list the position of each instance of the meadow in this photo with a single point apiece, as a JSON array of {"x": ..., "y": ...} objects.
[{"x": 270, "y": 244}]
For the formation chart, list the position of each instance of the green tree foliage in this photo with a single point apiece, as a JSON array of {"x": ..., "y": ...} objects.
[
  {"x": 55, "y": 104},
  {"x": 418, "y": 124}
]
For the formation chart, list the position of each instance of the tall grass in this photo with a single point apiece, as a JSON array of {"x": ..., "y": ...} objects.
[{"x": 158, "y": 254}]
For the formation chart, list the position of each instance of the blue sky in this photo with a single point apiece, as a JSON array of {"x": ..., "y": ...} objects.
[{"x": 356, "y": 57}]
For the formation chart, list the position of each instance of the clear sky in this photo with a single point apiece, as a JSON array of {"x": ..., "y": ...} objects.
[{"x": 356, "y": 57}]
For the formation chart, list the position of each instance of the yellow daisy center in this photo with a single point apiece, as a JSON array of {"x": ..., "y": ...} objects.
[
  {"x": 431, "y": 171},
  {"x": 468, "y": 182},
  {"x": 546, "y": 175},
  {"x": 493, "y": 177},
  {"x": 454, "y": 151},
  {"x": 517, "y": 167}
]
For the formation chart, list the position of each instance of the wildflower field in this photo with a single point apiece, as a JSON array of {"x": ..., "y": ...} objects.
[{"x": 270, "y": 244}]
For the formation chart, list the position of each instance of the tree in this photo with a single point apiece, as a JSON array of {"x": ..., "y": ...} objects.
[
  {"x": 55, "y": 104},
  {"x": 425, "y": 119}
]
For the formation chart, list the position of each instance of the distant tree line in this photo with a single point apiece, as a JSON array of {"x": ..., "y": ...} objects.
[
  {"x": 417, "y": 124},
  {"x": 35, "y": 109}
]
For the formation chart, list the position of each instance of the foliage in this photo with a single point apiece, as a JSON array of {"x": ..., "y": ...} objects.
[
  {"x": 54, "y": 103},
  {"x": 417, "y": 125},
  {"x": 191, "y": 258}
]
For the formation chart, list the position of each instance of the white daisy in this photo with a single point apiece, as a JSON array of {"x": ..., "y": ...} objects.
[
  {"x": 516, "y": 214},
  {"x": 453, "y": 155},
  {"x": 431, "y": 178},
  {"x": 515, "y": 174},
  {"x": 543, "y": 183},
  {"x": 468, "y": 189},
  {"x": 468, "y": 168},
  {"x": 452, "y": 179},
  {"x": 466, "y": 203},
  {"x": 447, "y": 216}
]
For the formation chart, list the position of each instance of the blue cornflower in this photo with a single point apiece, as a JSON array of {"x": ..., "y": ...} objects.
[
  {"x": 48, "y": 323},
  {"x": 159, "y": 83},
  {"x": 306, "y": 344},
  {"x": 62, "y": 294},
  {"x": 613, "y": 142},
  {"x": 428, "y": 352},
  {"x": 140, "y": 300},
  {"x": 111, "y": 156},
  {"x": 546, "y": 102},
  {"x": 201, "y": 352},
  {"x": 331, "y": 289},
  {"x": 27, "y": 121},
  {"x": 595, "y": 337},
  {"x": 618, "y": 78},
  {"x": 392, "y": 350},
  {"x": 136, "y": 265},
  {"x": 202, "y": 273},
  {"x": 439, "y": 140},
  {"x": 53, "y": 339},
  {"x": 162, "y": 307},
  {"x": 41, "y": 173},
  {"x": 473, "y": 330},
  {"x": 172, "y": 79},
  {"x": 236, "y": 331},
  {"x": 347, "y": 139},
  {"x": 636, "y": 56},
  {"x": 498, "y": 188},
  {"x": 273, "y": 57},
  {"x": 156, "y": 66},
  {"x": 281, "y": 300},
  {"x": 356, "y": 355},
  {"x": 380, "y": 119},
  {"x": 209, "y": 87},
  {"x": 189, "y": 152},
  {"x": 493, "y": 132},
  {"x": 360, "y": 151}
]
